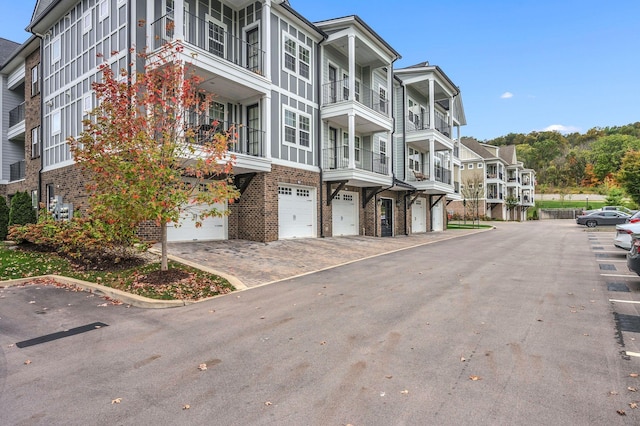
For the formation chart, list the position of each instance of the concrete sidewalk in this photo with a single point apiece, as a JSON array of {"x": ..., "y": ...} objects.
[{"x": 255, "y": 264}]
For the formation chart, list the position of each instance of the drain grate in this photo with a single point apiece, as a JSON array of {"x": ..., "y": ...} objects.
[
  {"x": 630, "y": 323},
  {"x": 618, "y": 287},
  {"x": 607, "y": 267},
  {"x": 603, "y": 256},
  {"x": 597, "y": 248},
  {"x": 60, "y": 334}
]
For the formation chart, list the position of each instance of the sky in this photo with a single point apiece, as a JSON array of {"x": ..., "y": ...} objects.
[{"x": 521, "y": 65}]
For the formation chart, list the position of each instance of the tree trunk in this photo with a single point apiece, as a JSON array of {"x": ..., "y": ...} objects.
[{"x": 164, "y": 264}]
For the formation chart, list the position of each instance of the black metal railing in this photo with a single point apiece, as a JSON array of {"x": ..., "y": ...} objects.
[
  {"x": 17, "y": 171},
  {"x": 420, "y": 121},
  {"x": 241, "y": 139},
  {"x": 440, "y": 174},
  {"x": 16, "y": 115},
  {"x": 338, "y": 158},
  {"x": 443, "y": 127},
  {"x": 338, "y": 91},
  {"x": 202, "y": 34}
]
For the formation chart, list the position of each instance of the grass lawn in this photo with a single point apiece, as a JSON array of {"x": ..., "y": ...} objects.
[
  {"x": 468, "y": 225},
  {"x": 181, "y": 282},
  {"x": 568, "y": 204}
]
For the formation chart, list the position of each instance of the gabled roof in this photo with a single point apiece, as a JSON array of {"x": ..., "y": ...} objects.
[
  {"x": 477, "y": 148},
  {"x": 508, "y": 154},
  {"x": 7, "y": 48}
]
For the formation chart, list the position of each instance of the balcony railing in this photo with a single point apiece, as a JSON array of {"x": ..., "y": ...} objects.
[
  {"x": 338, "y": 158},
  {"x": 338, "y": 91},
  {"x": 209, "y": 37},
  {"x": 243, "y": 140},
  {"x": 417, "y": 122},
  {"x": 16, "y": 115},
  {"x": 494, "y": 176},
  {"x": 17, "y": 171},
  {"x": 495, "y": 196},
  {"x": 440, "y": 175}
]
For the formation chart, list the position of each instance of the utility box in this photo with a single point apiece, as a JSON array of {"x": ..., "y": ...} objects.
[{"x": 60, "y": 210}]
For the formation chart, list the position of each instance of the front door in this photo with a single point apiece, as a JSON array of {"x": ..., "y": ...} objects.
[
  {"x": 253, "y": 50},
  {"x": 386, "y": 217}
]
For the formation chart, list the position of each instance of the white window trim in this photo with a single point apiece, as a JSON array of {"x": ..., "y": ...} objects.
[
  {"x": 297, "y": 129},
  {"x": 35, "y": 141},
  {"x": 87, "y": 27},
  {"x": 54, "y": 114},
  {"x": 383, "y": 89},
  {"x": 470, "y": 167},
  {"x": 56, "y": 58},
  {"x": 121, "y": 2},
  {"x": 225, "y": 42},
  {"x": 479, "y": 165},
  {"x": 35, "y": 80},
  {"x": 296, "y": 72},
  {"x": 102, "y": 12}
]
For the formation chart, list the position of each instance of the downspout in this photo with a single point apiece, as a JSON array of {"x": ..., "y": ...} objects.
[
  {"x": 319, "y": 127},
  {"x": 404, "y": 150}
]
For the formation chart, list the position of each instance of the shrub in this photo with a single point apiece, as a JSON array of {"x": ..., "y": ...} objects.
[
  {"x": 84, "y": 239},
  {"x": 21, "y": 211},
  {"x": 4, "y": 218}
]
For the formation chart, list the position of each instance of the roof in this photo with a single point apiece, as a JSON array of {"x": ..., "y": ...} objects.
[
  {"x": 508, "y": 154},
  {"x": 7, "y": 48},
  {"x": 477, "y": 148}
]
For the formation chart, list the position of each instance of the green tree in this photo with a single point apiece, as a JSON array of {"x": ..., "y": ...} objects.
[
  {"x": 629, "y": 175},
  {"x": 615, "y": 197},
  {"x": 21, "y": 211},
  {"x": 149, "y": 149},
  {"x": 512, "y": 203},
  {"x": 607, "y": 153},
  {"x": 4, "y": 218},
  {"x": 472, "y": 192}
]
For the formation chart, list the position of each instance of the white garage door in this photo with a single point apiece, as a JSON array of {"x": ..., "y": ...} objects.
[
  {"x": 437, "y": 214},
  {"x": 344, "y": 214},
  {"x": 419, "y": 215},
  {"x": 296, "y": 211},
  {"x": 213, "y": 228}
]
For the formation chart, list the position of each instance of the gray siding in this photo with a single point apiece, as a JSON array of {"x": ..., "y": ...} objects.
[{"x": 12, "y": 151}]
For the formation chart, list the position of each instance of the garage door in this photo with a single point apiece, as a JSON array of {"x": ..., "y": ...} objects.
[
  {"x": 437, "y": 215},
  {"x": 419, "y": 216},
  {"x": 344, "y": 214},
  {"x": 296, "y": 211},
  {"x": 213, "y": 228}
]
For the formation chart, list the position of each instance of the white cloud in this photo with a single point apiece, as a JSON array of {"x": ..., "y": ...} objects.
[
  {"x": 561, "y": 128},
  {"x": 506, "y": 95}
]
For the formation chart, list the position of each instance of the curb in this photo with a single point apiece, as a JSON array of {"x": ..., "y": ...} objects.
[{"x": 101, "y": 290}]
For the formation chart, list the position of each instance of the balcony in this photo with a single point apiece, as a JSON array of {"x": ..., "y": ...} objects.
[
  {"x": 371, "y": 110},
  {"x": 371, "y": 168},
  {"x": 16, "y": 115},
  {"x": 207, "y": 36},
  {"x": 493, "y": 175},
  {"x": 16, "y": 122},
  {"x": 246, "y": 143},
  {"x": 17, "y": 171},
  {"x": 439, "y": 183}
]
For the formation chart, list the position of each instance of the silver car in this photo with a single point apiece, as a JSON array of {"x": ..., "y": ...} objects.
[{"x": 623, "y": 235}]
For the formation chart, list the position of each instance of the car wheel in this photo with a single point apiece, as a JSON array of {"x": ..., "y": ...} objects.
[{"x": 591, "y": 224}]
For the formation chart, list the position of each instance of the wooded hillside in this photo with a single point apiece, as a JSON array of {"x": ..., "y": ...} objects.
[{"x": 608, "y": 157}]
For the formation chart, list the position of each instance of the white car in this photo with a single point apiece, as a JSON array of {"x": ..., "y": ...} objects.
[{"x": 623, "y": 235}]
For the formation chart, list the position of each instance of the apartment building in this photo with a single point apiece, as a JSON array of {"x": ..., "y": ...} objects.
[
  {"x": 506, "y": 187},
  {"x": 332, "y": 139}
]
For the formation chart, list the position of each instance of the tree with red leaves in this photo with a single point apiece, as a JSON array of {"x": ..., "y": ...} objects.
[{"x": 145, "y": 152}]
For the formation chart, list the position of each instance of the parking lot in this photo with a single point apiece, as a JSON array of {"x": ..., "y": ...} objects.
[{"x": 623, "y": 287}]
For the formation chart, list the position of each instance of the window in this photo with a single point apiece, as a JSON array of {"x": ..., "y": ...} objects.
[
  {"x": 103, "y": 9},
  {"x": 87, "y": 104},
  {"x": 34, "y": 198},
  {"x": 479, "y": 165},
  {"x": 462, "y": 167},
  {"x": 56, "y": 50},
  {"x": 305, "y": 131},
  {"x": 35, "y": 81},
  {"x": 297, "y": 128},
  {"x": 290, "y": 126},
  {"x": 297, "y": 58},
  {"x": 383, "y": 99},
  {"x": 414, "y": 160},
  {"x": 217, "y": 112},
  {"x": 304, "y": 56},
  {"x": 215, "y": 37},
  {"x": 470, "y": 166},
  {"x": 35, "y": 142},
  {"x": 86, "y": 22},
  {"x": 55, "y": 123},
  {"x": 290, "y": 55}
]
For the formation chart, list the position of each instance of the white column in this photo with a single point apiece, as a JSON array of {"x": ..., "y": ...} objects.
[
  {"x": 265, "y": 42},
  {"x": 178, "y": 17},
  {"x": 150, "y": 28},
  {"x": 432, "y": 158},
  {"x": 352, "y": 138},
  {"x": 266, "y": 124},
  {"x": 352, "y": 71},
  {"x": 432, "y": 108},
  {"x": 389, "y": 90}
]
